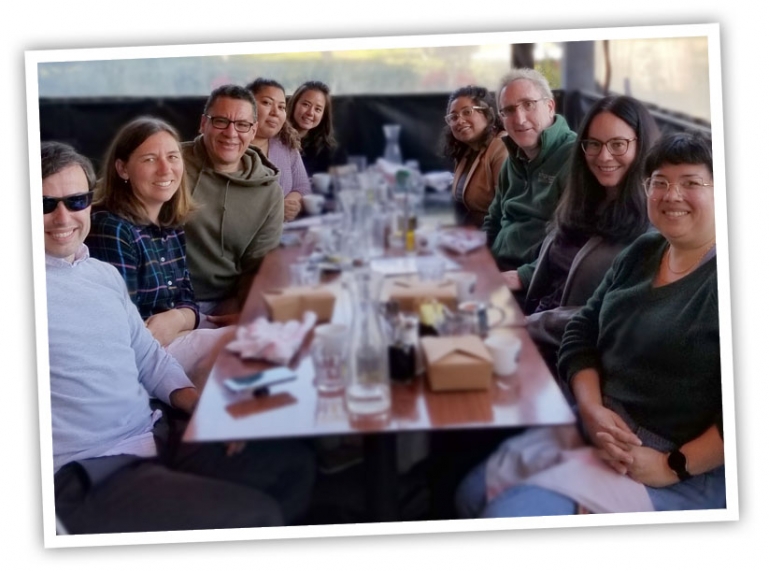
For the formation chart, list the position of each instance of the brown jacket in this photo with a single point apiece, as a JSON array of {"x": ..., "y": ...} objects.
[{"x": 481, "y": 180}]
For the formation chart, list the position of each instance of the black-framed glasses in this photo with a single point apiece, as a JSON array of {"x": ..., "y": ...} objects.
[
  {"x": 656, "y": 187},
  {"x": 527, "y": 105},
  {"x": 223, "y": 123},
  {"x": 73, "y": 202},
  {"x": 463, "y": 113},
  {"x": 616, "y": 147}
]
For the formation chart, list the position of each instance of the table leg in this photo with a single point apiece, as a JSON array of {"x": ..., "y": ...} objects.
[{"x": 381, "y": 473}]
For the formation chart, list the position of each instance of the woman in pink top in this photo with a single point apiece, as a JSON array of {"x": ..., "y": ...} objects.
[{"x": 280, "y": 143}]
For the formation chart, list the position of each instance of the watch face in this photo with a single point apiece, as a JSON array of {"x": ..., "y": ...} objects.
[{"x": 677, "y": 463}]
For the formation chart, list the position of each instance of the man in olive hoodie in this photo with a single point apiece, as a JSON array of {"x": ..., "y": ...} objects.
[
  {"x": 240, "y": 214},
  {"x": 533, "y": 176}
]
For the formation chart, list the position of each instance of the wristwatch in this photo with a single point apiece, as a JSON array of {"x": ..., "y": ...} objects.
[{"x": 677, "y": 463}]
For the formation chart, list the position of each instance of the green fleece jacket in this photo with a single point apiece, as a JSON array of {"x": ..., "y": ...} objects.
[
  {"x": 239, "y": 219},
  {"x": 526, "y": 196}
]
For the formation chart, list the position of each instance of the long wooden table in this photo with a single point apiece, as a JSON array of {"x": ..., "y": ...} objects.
[{"x": 529, "y": 397}]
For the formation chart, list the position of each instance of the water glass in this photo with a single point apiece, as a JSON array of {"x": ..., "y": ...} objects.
[
  {"x": 297, "y": 273},
  {"x": 430, "y": 268},
  {"x": 329, "y": 357},
  {"x": 304, "y": 273},
  {"x": 377, "y": 235}
]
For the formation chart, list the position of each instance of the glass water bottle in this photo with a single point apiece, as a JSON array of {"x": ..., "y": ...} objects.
[{"x": 368, "y": 393}]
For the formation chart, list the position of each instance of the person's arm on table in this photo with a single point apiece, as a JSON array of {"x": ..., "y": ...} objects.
[
  {"x": 512, "y": 280},
  {"x": 185, "y": 399},
  {"x": 292, "y": 205},
  {"x": 293, "y": 200}
]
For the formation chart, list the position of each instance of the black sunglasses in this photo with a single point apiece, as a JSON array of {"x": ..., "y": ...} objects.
[{"x": 73, "y": 202}]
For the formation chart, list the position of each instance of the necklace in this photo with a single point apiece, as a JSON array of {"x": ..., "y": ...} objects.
[{"x": 690, "y": 268}]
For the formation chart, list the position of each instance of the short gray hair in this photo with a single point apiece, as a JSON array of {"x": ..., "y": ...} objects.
[{"x": 532, "y": 75}]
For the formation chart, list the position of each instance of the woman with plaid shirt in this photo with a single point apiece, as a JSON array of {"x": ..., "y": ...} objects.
[{"x": 142, "y": 200}]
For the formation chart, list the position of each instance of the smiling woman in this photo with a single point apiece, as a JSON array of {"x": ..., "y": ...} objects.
[
  {"x": 601, "y": 212},
  {"x": 642, "y": 360},
  {"x": 142, "y": 199},
  {"x": 471, "y": 140},
  {"x": 310, "y": 113},
  {"x": 279, "y": 142}
]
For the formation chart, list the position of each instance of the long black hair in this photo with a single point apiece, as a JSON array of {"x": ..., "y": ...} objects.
[
  {"x": 480, "y": 97},
  {"x": 624, "y": 218},
  {"x": 287, "y": 134},
  {"x": 322, "y": 136}
]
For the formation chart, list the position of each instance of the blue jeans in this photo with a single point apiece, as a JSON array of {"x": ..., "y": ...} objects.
[
  {"x": 704, "y": 491},
  {"x": 519, "y": 501}
]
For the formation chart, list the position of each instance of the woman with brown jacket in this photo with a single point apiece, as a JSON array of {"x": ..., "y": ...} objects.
[{"x": 472, "y": 141}]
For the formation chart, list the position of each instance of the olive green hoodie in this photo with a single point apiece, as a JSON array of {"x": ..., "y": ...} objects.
[
  {"x": 239, "y": 219},
  {"x": 526, "y": 196}
]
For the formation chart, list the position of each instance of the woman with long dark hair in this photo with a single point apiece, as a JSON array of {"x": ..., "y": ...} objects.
[
  {"x": 280, "y": 143},
  {"x": 642, "y": 361},
  {"x": 472, "y": 141},
  {"x": 310, "y": 113},
  {"x": 602, "y": 210}
]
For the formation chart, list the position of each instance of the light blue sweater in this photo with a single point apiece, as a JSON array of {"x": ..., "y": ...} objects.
[{"x": 104, "y": 362}]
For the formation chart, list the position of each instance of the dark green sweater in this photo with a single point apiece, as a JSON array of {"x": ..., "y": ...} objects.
[
  {"x": 526, "y": 196},
  {"x": 656, "y": 349}
]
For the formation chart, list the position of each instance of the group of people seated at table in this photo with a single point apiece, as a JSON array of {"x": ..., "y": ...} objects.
[
  {"x": 184, "y": 226},
  {"x": 607, "y": 238}
]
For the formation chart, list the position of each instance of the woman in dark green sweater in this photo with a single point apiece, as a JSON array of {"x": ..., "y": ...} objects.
[{"x": 642, "y": 358}]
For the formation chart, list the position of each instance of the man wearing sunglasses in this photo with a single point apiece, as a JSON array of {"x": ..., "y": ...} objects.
[
  {"x": 240, "y": 214},
  {"x": 532, "y": 178},
  {"x": 116, "y": 466}
]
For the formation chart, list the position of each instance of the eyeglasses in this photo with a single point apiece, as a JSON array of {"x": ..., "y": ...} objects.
[
  {"x": 223, "y": 123},
  {"x": 464, "y": 113},
  {"x": 527, "y": 105},
  {"x": 73, "y": 202},
  {"x": 656, "y": 188},
  {"x": 616, "y": 147}
]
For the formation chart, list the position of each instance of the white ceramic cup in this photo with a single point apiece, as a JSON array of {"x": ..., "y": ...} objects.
[
  {"x": 504, "y": 351},
  {"x": 313, "y": 204},
  {"x": 321, "y": 182}
]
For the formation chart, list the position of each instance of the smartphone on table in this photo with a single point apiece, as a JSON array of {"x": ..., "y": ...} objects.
[{"x": 260, "y": 380}]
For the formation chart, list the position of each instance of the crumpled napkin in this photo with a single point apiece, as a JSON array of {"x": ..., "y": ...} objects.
[
  {"x": 270, "y": 340},
  {"x": 462, "y": 241}
]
